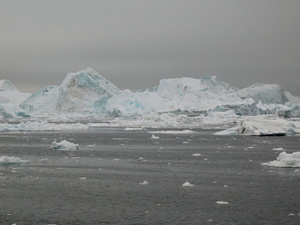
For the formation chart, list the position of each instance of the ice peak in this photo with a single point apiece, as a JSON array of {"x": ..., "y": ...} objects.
[
  {"x": 89, "y": 79},
  {"x": 6, "y": 85}
]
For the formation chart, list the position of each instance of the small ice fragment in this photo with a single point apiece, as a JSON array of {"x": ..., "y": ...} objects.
[
  {"x": 185, "y": 142},
  {"x": 291, "y": 214},
  {"x": 187, "y": 184},
  {"x": 154, "y": 137},
  {"x": 222, "y": 203},
  {"x": 83, "y": 178},
  {"x": 144, "y": 183},
  {"x": 225, "y": 186},
  {"x": 141, "y": 158},
  {"x": 197, "y": 154}
]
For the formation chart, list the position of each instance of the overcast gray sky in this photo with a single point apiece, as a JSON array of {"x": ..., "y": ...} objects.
[{"x": 135, "y": 43}]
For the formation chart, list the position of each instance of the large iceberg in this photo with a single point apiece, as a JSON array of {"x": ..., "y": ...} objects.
[{"x": 86, "y": 93}]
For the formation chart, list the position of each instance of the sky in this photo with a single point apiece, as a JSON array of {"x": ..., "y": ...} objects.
[{"x": 135, "y": 43}]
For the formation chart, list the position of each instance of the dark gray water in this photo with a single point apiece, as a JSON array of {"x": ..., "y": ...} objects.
[{"x": 99, "y": 183}]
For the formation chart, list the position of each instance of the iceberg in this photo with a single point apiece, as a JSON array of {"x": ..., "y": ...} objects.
[
  {"x": 76, "y": 94},
  {"x": 86, "y": 94},
  {"x": 264, "y": 93}
]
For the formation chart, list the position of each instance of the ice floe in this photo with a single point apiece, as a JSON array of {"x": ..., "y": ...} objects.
[
  {"x": 222, "y": 203},
  {"x": 40, "y": 126},
  {"x": 64, "y": 145},
  {"x": 144, "y": 183},
  {"x": 187, "y": 184},
  {"x": 172, "y": 132},
  {"x": 285, "y": 160},
  {"x": 6, "y": 160},
  {"x": 262, "y": 127}
]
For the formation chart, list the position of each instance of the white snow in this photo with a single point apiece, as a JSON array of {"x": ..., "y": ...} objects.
[
  {"x": 285, "y": 160},
  {"x": 64, "y": 145},
  {"x": 262, "y": 126},
  {"x": 5, "y": 160},
  {"x": 187, "y": 184}
]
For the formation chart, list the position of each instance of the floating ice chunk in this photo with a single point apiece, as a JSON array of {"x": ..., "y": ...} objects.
[
  {"x": 134, "y": 128},
  {"x": 144, "y": 183},
  {"x": 262, "y": 127},
  {"x": 197, "y": 154},
  {"x": 154, "y": 137},
  {"x": 285, "y": 160},
  {"x": 222, "y": 203},
  {"x": 187, "y": 184},
  {"x": 6, "y": 160},
  {"x": 279, "y": 149},
  {"x": 40, "y": 126},
  {"x": 83, "y": 178},
  {"x": 64, "y": 145},
  {"x": 172, "y": 132}
]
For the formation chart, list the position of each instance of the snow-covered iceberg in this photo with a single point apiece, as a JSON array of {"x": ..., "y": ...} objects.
[
  {"x": 285, "y": 160},
  {"x": 263, "y": 127}
]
